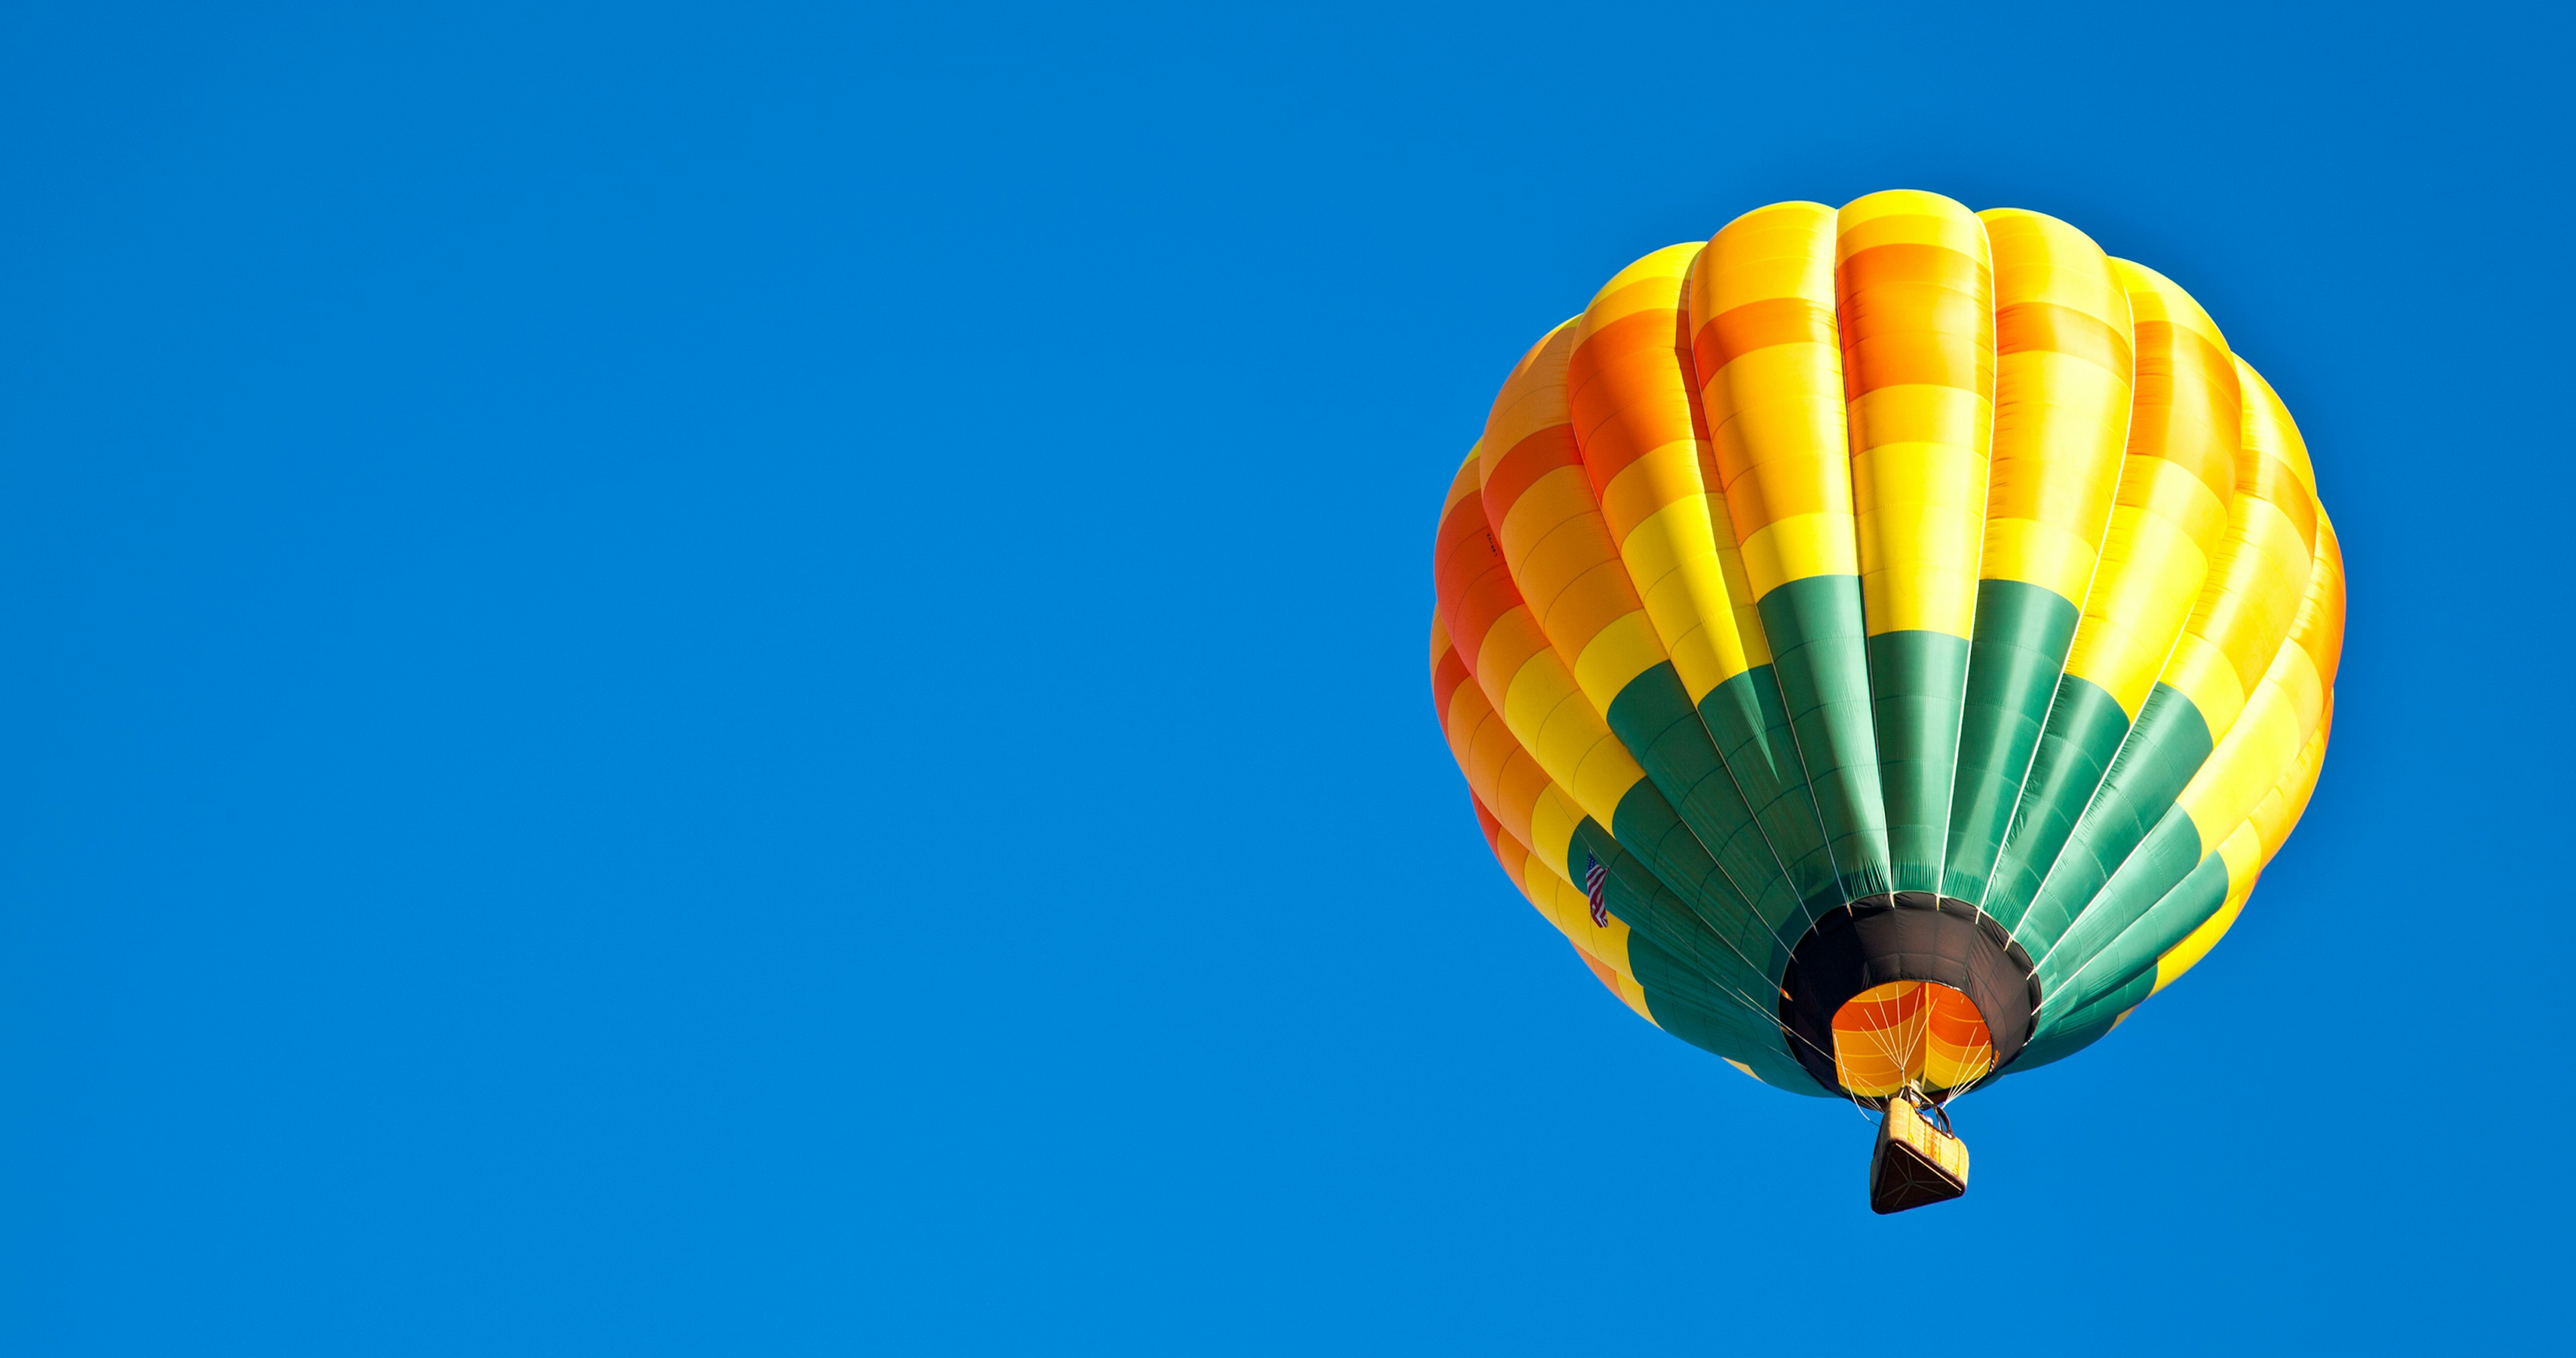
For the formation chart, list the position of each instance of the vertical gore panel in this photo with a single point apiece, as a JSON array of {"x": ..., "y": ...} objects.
[
  {"x": 1918, "y": 681},
  {"x": 1915, "y": 300},
  {"x": 2168, "y": 518},
  {"x": 2022, "y": 635},
  {"x": 1634, "y": 403},
  {"x": 1750, "y": 723},
  {"x": 2170, "y": 513},
  {"x": 2063, "y": 363},
  {"x": 1820, "y": 655},
  {"x": 1764, "y": 344}
]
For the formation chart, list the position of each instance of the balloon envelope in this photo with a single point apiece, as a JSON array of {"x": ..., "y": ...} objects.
[{"x": 1887, "y": 642}]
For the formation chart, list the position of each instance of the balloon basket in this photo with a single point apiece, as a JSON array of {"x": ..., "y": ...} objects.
[{"x": 1919, "y": 1161}]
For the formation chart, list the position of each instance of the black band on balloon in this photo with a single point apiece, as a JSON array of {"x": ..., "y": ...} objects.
[{"x": 1905, "y": 936}]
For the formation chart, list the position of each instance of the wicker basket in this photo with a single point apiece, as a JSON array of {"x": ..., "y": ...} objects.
[{"x": 1916, "y": 1163}]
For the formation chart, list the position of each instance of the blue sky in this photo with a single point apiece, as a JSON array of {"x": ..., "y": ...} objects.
[{"x": 749, "y": 680}]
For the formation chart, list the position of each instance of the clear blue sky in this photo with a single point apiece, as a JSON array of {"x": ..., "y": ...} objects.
[{"x": 749, "y": 680}]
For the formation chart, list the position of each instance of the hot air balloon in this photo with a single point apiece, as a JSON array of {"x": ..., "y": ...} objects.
[{"x": 1888, "y": 643}]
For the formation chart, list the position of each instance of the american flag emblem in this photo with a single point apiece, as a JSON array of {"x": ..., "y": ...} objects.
[{"x": 1596, "y": 877}]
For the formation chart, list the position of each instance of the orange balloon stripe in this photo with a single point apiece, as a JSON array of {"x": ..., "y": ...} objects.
[
  {"x": 1740, "y": 330},
  {"x": 1508, "y": 851},
  {"x": 1448, "y": 674},
  {"x": 1500, "y": 774},
  {"x": 1510, "y": 476},
  {"x": 1620, "y": 385},
  {"x": 1768, "y": 355},
  {"x": 2028, "y": 327},
  {"x": 1541, "y": 504},
  {"x": 2186, "y": 408},
  {"x": 1474, "y": 585},
  {"x": 1913, "y": 315},
  {"x": 2319, "y": 630}
]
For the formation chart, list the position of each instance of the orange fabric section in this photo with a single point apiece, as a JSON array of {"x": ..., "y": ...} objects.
[
  {"x": 1915, "y": 315},
  {"x": 1634, "y": 395},
  {"x": 1916, "y": 301},
  {"x": 1769, "y": 361},
  {"x": 2319, "y": 629},
  {"x": 1547, "y": 518},
  {"x": 1500, "y": 774},
  {"x": 1509, "y": 852},
  {"x": 2186, "y": 408},
  {"x": 1510, "y": 476},
  {"x": 1473, "y": 584},
  {"x": 2025, "y": 327},
  {"x": 1626, "y": 400},
  {"x": 1447, "y": 670},
  {"x": 1740, "y": 330},
  {"x": 1909, "y": 1033}
]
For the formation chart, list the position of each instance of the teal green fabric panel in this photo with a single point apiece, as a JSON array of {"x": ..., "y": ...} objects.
[
  {"x": 1654, "y": 718},
  {"x": 1647, "y": 827},
  {"x": 1821, "y": 656},
  {"x": 2084, "y": 730},
  {"x": 2110, "y": 958},
  {"x": 1635, "y": 894},
  {"x": 2022, "y": 637},
  {"x": 2159, "y": 862},
  {"x": 1689, "y": 1010},
  {"x": 2167, "y": 746},
  {"x": 1726, "y": 1023},
  {"x": 1750, "y": 724},
  {"x": 1917, "y": 681},
  {"x": 1704, "y": 1028},
  {"x": 2082, "y": 1029}
]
